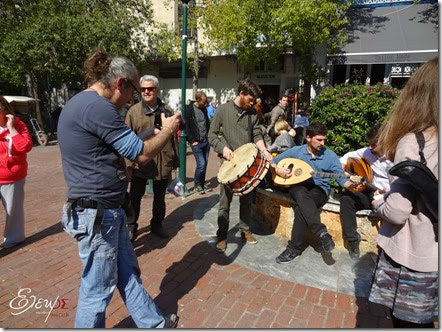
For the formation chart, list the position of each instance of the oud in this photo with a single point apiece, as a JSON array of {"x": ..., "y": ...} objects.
[{"x": 302, "y": 171}]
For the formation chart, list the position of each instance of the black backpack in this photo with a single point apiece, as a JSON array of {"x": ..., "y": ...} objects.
[{"x": 422, "y": 179}]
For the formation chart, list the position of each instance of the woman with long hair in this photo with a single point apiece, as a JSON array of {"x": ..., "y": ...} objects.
[
  {"x": 406, "y": 277},
  {"x": 15, "y": 143}
]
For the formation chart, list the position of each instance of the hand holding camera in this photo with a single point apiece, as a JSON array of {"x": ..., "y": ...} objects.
[{"x": 172, "y": 123}]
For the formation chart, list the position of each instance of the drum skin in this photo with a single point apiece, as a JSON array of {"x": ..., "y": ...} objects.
[{"x": 245, "y": 171}]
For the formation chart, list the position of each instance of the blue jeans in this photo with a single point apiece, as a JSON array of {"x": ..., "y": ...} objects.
[
  {"x": 109, "y": 261},
  {"x": 201, "y": 153}
]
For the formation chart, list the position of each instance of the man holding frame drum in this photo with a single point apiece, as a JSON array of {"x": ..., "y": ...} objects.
[{"x": 236, "y": 123}]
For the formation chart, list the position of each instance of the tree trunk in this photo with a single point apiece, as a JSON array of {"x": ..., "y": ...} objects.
[{"x": 32, "y": 89}]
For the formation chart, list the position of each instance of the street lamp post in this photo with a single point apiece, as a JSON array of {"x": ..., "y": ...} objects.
[{"x": 183, "y": 135}]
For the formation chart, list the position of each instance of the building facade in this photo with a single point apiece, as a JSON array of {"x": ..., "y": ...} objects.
[{"x": 387, "y": 41}]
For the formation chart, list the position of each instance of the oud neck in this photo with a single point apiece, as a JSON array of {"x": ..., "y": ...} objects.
[{"x": 329, "y": 175}]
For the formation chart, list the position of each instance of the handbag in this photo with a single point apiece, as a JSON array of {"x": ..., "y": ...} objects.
[{"x": 422, "y": 179}]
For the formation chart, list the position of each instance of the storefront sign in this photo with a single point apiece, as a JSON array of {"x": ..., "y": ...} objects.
[{"x": 265, "y": 78}]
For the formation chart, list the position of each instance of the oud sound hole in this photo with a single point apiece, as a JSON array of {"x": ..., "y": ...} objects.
[{"x": 298, "y": 172}]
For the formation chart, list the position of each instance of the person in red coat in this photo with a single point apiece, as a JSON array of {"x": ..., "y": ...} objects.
[{"x": 15, "y": 143}]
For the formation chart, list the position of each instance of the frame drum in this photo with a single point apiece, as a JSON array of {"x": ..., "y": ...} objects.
[{"x": 245, "y": 170}]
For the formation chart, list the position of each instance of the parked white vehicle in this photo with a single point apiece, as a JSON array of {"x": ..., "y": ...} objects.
[{"x": 24, "y": 108}]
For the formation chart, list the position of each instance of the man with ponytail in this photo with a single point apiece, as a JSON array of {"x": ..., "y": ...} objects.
[{"x": 93, "y": 140}]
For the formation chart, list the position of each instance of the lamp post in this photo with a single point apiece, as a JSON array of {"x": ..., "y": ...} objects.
[{"x": 183, "y": 135}]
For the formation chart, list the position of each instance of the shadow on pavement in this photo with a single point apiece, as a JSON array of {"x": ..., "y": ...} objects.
[
  {"x": 173, "y": 223},
  {"x": 182, "y": 277},
  {"x": 49, "y": 231}
]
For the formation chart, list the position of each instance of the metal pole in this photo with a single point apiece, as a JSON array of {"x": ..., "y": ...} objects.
[{"x": 182, "y": 146}]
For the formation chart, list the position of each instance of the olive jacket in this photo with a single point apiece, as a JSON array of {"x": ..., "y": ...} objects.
[{"x": 139, "y": 118}]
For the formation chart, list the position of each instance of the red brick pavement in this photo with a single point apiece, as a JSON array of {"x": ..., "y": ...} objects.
[{"x": 183, "y": 274}]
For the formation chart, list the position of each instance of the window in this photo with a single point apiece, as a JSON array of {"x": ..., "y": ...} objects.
[
  {"x": 358, "y": 74},
  {"x": 339, "y": 72}
]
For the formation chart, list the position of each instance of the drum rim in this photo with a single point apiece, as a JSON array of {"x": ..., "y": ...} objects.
[
  {"x": 260, "y": 178},
  {"x": 245, "y": 168}
]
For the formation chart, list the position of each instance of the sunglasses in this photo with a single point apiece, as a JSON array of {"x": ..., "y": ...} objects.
[{"x": 150, "y": 89}]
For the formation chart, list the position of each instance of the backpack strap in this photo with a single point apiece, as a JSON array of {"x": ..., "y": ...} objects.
[{"x": 421, "y": 141}]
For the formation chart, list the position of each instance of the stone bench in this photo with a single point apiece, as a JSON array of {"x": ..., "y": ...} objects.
[{"x": 274, "y": 213}]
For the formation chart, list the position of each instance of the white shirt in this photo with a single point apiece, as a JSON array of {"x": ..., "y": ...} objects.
[{"x": 380, "y": 166}]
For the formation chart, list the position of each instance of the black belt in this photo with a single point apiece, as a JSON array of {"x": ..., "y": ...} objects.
[{"x": 86, "y": 203}]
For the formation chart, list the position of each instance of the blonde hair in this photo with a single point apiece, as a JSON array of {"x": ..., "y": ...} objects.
[
  {"x": 416, "y": 109},
  {"x": 281, "y": 125}
]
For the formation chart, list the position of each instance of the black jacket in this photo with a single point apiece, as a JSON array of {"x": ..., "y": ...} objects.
[{"x": 191, "y": 125}]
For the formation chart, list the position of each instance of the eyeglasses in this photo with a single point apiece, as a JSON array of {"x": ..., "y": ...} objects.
[
  {"x": 133, "y": 86},
  {"x": 149, "y": 88}
]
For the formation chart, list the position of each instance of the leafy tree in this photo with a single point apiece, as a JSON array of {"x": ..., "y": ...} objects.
[
  {"x": 349, "y": 111},
  {"x": 43, "y": 40},
  {"x": 258, "y": 30}
]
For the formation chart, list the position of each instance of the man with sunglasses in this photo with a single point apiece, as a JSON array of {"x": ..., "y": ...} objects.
[{"x": 140, "y": 117}]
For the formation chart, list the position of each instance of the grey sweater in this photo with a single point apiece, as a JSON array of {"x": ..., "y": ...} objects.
[{"x": 238, "y": 127}]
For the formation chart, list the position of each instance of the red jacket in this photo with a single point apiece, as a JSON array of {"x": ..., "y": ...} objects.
[{"x": 14, "y": 167}]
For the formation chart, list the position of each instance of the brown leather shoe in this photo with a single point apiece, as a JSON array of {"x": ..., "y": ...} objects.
[
  {"x": 248, "y": 236},
  {"x": 221, "y": 245}
]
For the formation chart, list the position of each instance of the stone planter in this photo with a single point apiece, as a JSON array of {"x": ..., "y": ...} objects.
[{"x": 273, "y": 211}]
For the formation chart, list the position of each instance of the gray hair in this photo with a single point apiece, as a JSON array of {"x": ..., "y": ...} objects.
[
  {"x": 150, "y": 78},
  {"x": 120, "y": 67}
]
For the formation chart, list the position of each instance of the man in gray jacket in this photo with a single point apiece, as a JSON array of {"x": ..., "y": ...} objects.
[{"x": 278, "y": 112}]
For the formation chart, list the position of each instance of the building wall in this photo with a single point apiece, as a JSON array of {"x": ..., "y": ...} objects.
[
  {"x": 164, "y": 12},
  {"x": 222, "y": 81}
]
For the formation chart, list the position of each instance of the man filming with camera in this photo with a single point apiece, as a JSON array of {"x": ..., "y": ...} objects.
[{"x": 140, "y": 117}]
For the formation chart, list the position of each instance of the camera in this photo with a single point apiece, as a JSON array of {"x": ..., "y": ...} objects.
[{"x": 157, "y": 122}]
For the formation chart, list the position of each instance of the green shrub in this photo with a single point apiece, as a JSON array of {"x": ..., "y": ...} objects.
[{"x": 349, "y": 111}]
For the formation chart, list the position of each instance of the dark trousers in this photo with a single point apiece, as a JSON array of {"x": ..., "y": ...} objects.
[
  {"x": 201, "y": 153},
  {"x": 137, "y": 190},
  {"x": 300, "y": 135},
  {"x": 351, "y": 203},
  {"x": 245, "y": 206},
  {"x": 309, "y": 198}
]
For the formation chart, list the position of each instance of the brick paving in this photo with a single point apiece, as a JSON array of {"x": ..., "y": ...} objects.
[{"x": 183, "y": 274}]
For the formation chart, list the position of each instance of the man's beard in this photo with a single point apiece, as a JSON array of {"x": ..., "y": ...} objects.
[{"x": 243, "y": 104}]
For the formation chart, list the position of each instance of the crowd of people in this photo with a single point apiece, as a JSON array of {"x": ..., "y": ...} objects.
[{"x": 109, "y": 157}]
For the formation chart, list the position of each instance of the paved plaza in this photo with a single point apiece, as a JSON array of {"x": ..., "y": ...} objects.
[{"x": 243, "y": 288}]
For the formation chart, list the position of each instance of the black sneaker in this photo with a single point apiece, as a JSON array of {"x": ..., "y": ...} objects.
[
  {"x": 200, "y": 190},
  {"x": 207, "y": 188},
  {"x": 171, "y": 321},
  {"x": 160, "y": 232},
  {"x": 327, "y": 242},
  {"x": 353, "y": 250},
  {"x": 287, "y": 256}
]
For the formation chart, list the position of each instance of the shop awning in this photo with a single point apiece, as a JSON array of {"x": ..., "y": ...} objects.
[{"x": 392, "y": 34}]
